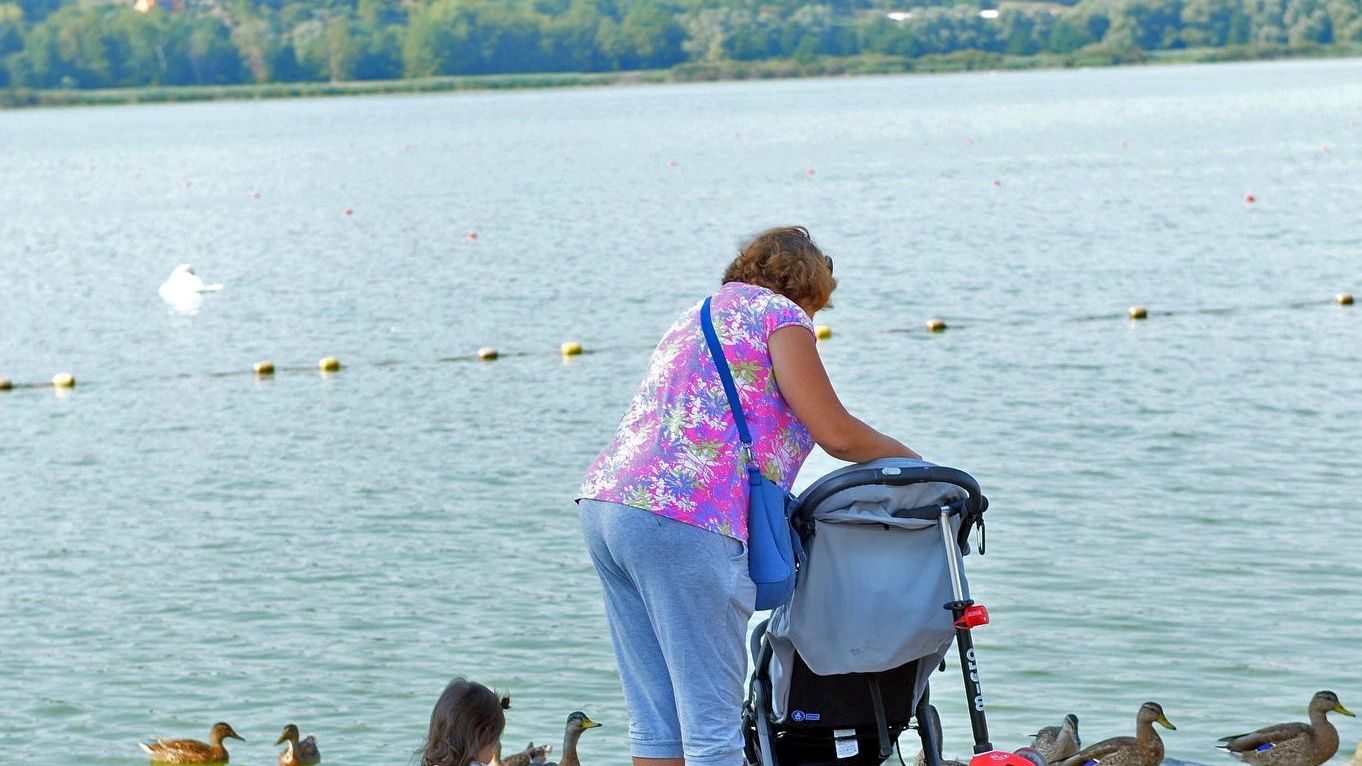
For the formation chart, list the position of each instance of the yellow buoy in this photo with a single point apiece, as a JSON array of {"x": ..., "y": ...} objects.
[
  {"x": 1344, "y": 299},
  {"x": 936, "y": 325},
  {"x": 1137, "y": 312},
  {"x": 264, "y": 368},
  {"x": 63, "y": 380},
  {"x": 6, "y": 384},
  {"x": 822, "y": 332},
  {"x": 329, "y": 364},
  {"x": 571, "y": 348},
  {"x": 487, "y": 353}
]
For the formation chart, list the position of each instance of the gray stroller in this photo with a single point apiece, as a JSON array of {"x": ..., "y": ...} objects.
[{"x": 842, "y": 669}]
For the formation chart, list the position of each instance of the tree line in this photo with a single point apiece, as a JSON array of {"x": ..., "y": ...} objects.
[{"x": 123, "y": 43}]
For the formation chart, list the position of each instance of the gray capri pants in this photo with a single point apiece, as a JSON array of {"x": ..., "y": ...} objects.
[{"x": 677, "y": 599}]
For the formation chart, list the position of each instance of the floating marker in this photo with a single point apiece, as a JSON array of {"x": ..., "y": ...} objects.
[
  {"x": 1249, "y": 199},
  {"x": 822, "y": 332},
  {"x": 63, "y": 380},
  {"x": 571, "y": 348},
  {"x": 329, "y": 364},
  {"x": 348, "y": 211},
  {"x": 472, "y": 235},
  {"x": 264, "y": 368},
  {"x": 487, "y": 353},
  {"x": 997, "y": 182},
  {"x": 1342, "y": 299},
  {"x": 1137, "y": 312},
  {"x": 936, "y": 325},
  {"x": 809, "y": 172},
  {"x": 6, "y": 384}
]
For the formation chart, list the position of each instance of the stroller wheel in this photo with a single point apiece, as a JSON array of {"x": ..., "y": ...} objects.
[{"x": 929, "y": 731}]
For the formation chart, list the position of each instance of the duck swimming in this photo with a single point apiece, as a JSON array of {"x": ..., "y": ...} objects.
[
  {"x": 298, "y": 753},
  {"x": 192, "y": 750},
  {"x": 1291, "y": 744},
  {"x": 1143, "y": 749}
]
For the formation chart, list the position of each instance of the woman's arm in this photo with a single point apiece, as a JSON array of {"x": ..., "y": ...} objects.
[{"x": 804, "y": 383}]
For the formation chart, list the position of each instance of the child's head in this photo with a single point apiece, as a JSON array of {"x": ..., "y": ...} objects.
[{"x": 465, "y": 725}]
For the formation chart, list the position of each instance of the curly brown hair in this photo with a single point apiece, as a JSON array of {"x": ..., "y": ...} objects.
[
  {"x": 467, "y": 718},
  {"x": 785, "y": 260}
]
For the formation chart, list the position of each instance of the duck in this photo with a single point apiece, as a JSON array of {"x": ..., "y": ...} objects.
[
  {"x": 298, "y": 753},
  {"x": 1143, "y": 749},
  {"x": 530, "y": 756},
  {"x": 1291, "y": 744},
  {"x": 192, "y": 750},
  {"x": 1055, "y": 743},
  {"x": 577, "y": 722}
]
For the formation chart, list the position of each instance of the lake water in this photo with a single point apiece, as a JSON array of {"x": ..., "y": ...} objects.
[{"x": 1174, "y": 501}]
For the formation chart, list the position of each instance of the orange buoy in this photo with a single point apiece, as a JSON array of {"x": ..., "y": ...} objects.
[{"x": 1249, "y": 199}]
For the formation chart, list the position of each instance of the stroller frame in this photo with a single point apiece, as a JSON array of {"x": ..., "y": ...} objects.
[{"x": 965, "y": 614}]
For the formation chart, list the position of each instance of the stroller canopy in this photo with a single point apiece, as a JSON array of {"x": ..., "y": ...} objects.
[{"x": 871, "y": 593}]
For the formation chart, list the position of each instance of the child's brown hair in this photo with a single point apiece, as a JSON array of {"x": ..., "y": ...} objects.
[{"x": 467, "y": 719}]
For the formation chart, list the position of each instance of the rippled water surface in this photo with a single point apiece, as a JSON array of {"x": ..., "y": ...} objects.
[{"x": 1175, "y": 501}]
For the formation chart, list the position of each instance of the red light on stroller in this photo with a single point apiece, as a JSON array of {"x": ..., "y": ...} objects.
[
  {"x": 1000, "y": 758},
  {"x": 973, "y": 617}
]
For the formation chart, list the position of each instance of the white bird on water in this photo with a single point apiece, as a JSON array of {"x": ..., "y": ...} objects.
[
  {"x": 183, "y": 280},
  {"x": 183, "y": 289}
]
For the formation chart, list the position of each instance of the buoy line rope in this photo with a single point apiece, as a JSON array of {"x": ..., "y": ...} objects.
[{"x": 330, "y": 365}]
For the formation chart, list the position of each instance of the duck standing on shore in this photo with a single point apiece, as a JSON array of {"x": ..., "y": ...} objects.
[
  {"x": 532, "y": 755},
  {"x": 1056, "y": 743},
  {"x": 192, "y": 750},
  {"x": 1143, "y": 749},
  {"x": 298, "y": 753},
  {"x": 577, "y": 723},
  {"x": 1292, "y": 744}
]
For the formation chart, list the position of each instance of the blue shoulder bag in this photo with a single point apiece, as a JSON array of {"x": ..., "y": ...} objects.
[{"x": 773, "y": 546}]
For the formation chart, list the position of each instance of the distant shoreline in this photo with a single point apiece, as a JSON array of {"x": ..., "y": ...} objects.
[{"x": 726, "y": 71}]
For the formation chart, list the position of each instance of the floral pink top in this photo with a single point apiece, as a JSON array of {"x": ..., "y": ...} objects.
[{"x": 676, "y": 451}]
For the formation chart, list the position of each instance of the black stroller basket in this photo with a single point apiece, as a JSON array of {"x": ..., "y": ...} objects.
[{"x": 841, "y": 671}]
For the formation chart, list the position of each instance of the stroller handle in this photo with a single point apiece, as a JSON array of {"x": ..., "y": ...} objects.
[{"x": 894, "y": 476}]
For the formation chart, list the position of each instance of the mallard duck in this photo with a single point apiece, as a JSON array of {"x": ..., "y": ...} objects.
[
  {"x": 1291, "y": 744},
  {"x": 1143, "y": 749},
  {"x": 530, "y": 756},
  {"x": 298, "y": 753},
  {"x": 577, "y": 723},
  {"x": 1055, "y": 743},
  {"x": 192, "y": 750}
]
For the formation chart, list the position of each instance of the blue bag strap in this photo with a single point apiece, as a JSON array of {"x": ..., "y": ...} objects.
[{"x": 725, "y": 375}]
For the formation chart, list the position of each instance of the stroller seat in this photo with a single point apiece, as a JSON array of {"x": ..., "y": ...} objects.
[{"x": 841, "y": 671}]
